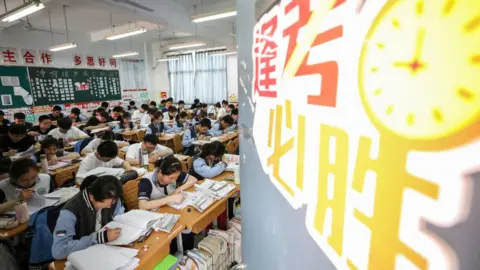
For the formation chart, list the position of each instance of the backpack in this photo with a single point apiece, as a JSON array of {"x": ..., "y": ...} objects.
[
  {"x": 82, "y": 144},
  {"x": 39, "y": 236}
]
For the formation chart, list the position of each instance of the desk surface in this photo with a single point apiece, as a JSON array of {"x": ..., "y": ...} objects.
[{"x": 73, "y": 167}]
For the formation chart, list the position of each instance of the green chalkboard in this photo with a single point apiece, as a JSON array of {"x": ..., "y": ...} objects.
[
  {"x": 61, "y": 85},
  {"x": 15, "y": 89}
]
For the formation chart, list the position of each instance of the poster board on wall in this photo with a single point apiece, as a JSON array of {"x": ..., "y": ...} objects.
[{"x": 15, "y": 89}]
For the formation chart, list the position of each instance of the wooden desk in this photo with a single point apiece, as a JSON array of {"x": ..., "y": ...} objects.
[
  {"x": 63, "y": 174},
  {"x": 132, "y": 135},
  {"x": 5, "y": 234},
  {"x": 158, "y": 247},
  {"x": 224, "y": 138}
]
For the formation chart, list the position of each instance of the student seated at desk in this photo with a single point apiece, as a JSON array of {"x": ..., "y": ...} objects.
[
  {"x": 138, "y": 114},
  {"x": 209, "y": 163},
  {"x": 49, "y": 147},
  {"x": 235, "y": 120},
  {"x": 181, "y": 106},
  {"x": 168, "y": 104},
  {"x": 81, "y": 221},
  {"x": 199, "y": 131},
  {"x": 223, "y": 110},
  {"x": 157, "y": 126},
  {"x": 126, "y": 122},
  {"x": 99, "y": 120},
  {"x": 151, "y": 145},
  {"x": 103, "y": 136},
  {"x": 106, "y": 156},
  {"x": 19, "y": 119},
  {"x": 24, "y": 182},
  {"x": 4, "y": 123},
  {"x": 169, "y": 116},
  {"x": 116, "y": 114},
  {"x": 222, "y": 125},
  {"x": 75, "y": 115},
  {"x": 131, "y": 106},
  {"x": 66, "y": 131},
  {"x": 199, "y": 117},
  {"x": 163, "y": 185},
  {"x": 148, "y": 118},
  {"x": 15, "y": 141},
  {"x": 152, "y": 105},
  {"x": 43, "y": 128},
  {"x": 179, "y": 123},
  {"x": 56, "y": 113}
]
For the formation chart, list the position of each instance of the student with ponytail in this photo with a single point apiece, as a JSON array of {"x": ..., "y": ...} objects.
[{"x": 82, "y": 218}]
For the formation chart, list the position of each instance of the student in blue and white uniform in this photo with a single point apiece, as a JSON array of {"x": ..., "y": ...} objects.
[
  {"x": 222, "y": 125},
  {"x": 209, "y": 163},
  {"x": 235, "y": 120},
  {"x": 156, "y": 126},
  {"x": 169, "y": 116},
  {"x": 197, "y": 132},
  {"x": 147, "y": 118},
  {"x": 199, "y": 117},
  {"x": 81, "y": 221},
  {"x": 179, "y": 123}
]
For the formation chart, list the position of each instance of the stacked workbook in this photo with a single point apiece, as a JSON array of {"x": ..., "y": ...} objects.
[
  {"x": 205, "y": 195},
  {"x": 101, "y": 257},
  {"x": 232, "y": 161}
]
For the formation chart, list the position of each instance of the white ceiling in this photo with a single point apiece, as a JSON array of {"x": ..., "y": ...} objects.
[{"x": 168, "y": 23}]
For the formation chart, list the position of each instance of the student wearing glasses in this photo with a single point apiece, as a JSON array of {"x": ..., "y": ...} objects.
[
  {"x": 25, "y": 182},
  {"x": 66, "y": 131},
  {"x": 80, "y": 222}
]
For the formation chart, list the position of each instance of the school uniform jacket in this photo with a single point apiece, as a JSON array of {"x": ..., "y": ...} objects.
[
  {"x": 202, "y": 170},
  {"x": 216, "y": 129},
  {"x": 155, "y": 129},
  {"x": 75, "y": 229},
  {"x": 189, "y": 137}
]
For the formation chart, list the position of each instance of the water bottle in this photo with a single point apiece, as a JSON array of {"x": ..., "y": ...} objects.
[{"x": 44, "y": 163}]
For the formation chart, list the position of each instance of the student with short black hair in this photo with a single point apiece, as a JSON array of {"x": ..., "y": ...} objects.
[
  {"x": 181, "y": 106},
  {"x": 199, "y": 117},
  {"x": 56, "y": 113},
  {"x": 105, "y": 156},
  {"x": 19, "y": 119},
  {"x": 170, "y": 115},
  {"x": 127, "y": 122},
  {"x": 156, "y": 126},
  {"x": 195, "y": 104},
  {"x": 43, "y": 128},
  {"x": 66, "y": 131},
  {"x": 104, "y": 105},
  {"x": 222, "y": 125},
  {"x": 116, "y": 114},
  {"x": 199, "y": 131},
  {"x": 4, "y": 123},
  {"x": 152, "y": 105},
  {"x": 164, "y": 185},
  {"x": 150, "y": 144},
  {"x": 138, "y": 114},
  {"x": 209, "y": 163},
  {"x": 24, "y": 182},
  {"x": 102, "y": 137},
  {"x": 179, "y": 123},
  {"x": 234, "y": 115},
  {"x": 131, "y": 105},
  {"x": 15, "y": 141},
  {"x": 81, "y": 221},
  {"x": 229, "y": 108},
  {"x": 98, "y": 120},
  {"x": 50, "y": 148},
  {"x": 168, "y": 104},
  {"x": 148, "y": 118}
]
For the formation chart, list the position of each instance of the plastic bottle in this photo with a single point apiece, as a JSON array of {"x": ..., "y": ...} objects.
[{"x": 44, "y": 163}]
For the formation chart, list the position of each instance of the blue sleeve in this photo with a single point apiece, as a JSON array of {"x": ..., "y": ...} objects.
[
  {"x": 216, "y": 130},
  {"x": 149, "y": 131},
  {"x": 63, "y": 242},
  {"x": 187, "y": 138},
  {"x": 119, "y": 209},
  {"x": 201, "y": 167},
  {"x": 169, "y": 129}
]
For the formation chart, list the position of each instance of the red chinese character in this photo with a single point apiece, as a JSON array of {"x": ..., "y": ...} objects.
[
  {"x": 101, "y": 61},
  {"x": 9, "y": 56},
  {"x": 29, "y": 58},
  {"x": 90, "y": 61},
  {"x": 113, "y": 62},
  {"x": 265, "y": 53},
  {"x": 77, "y": 60},
  {"x": 46, "y": 58},
  {"x": 329, "y": 69}
]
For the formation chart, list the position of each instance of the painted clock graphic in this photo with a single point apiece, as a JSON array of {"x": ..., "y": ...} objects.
[{"x": 419, "y": 71}]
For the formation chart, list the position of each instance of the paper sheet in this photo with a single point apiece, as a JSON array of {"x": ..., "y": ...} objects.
[
  {"x": 127, "y": 235},
  {"x": 10, "y": 81},
  {"x": 101, "y": 257}
]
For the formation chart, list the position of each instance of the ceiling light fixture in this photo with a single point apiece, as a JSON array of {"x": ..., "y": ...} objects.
[
  {"x": 187, "y": 45},
  {"x": 125, "y": 54},
  {"x": 22, "y": 11},
  {"x": 222, "y": 53},
  {"x": 214, "y": 15},
  {"x": 62, "y": 47},
  {"x": 132, "y": 32},
  {"x": 168, "y": 59}
]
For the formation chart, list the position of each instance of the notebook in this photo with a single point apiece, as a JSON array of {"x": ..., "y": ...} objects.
[
  {"x": 99, "y": 171},
  {"x": 217, "y": 189},
  {"x": 101, "y": 257}
]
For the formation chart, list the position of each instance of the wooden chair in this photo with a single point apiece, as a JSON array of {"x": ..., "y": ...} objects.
[
  {"x": 62, "y": 177},
  {"x": 130, "y": 194},
  {"x": 237, "y": 144},
  {"x": 177, "y": 144},
  {"x": 231, "y": 147},
  {"x": 186, "y": 165}
]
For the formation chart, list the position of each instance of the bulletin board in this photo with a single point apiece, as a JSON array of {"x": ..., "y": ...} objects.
[
  {"x": 15, "y": 89},
  {"x": 61, "y": 85}
]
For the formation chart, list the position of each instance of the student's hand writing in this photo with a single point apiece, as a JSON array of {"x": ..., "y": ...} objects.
[
  {"x": 11, "y": 152},
  {"x": 176, "y": 198},
  {"x": 113, "y": 234},
  {"x": 25, "y": 195},
  {"x": 178, "y": 191}
]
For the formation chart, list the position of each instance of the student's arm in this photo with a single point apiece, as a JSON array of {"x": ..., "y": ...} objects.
[
  {"x": 69, "y": 156},
  {"x": 132, "y": 156},
  {"x": 187, "y": 138},
  {"x": 63, "y": 242},
  {"x": 84, "y": 168},
  {"x": 149, "y": 131},
  {"x": 144, "y": 193},
  {"x": 7, "y": 206},
  {"x": 216, "y": 130},
  {"x": 126, "y": 166},
  {"x": 160, "y": 151},
  {"x": 89, "y": 148},
  {"x": 121, "y": 144},
  {"x": 201, "y": 167},
  {"x": 145, "y": 121},
  {"x": 188, "y": 182}
]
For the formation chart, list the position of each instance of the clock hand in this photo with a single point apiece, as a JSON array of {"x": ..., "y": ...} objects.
[
  {"x": 402, "y": 64},
  {"x": 419, "y": 44}
]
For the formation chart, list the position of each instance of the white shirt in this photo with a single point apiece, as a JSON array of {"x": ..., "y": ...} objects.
[
  {"x": 137, "y": 115},
  {"x": 166, "y": 117},
  {"x": 72, "y": 133},
  {"x": 93, "y": 144},
  {"x": 91, "y": 162},
  {"x": 146, "y": 120},
  {"x": 221, "y": 112},
  {"x": 133, "y": 150}
]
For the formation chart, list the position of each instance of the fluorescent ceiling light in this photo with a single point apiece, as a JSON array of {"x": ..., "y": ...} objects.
[
  {"x": 125, "y": 54},
  {"x": 129, "y": 33},
  {"x": 62, "y": 47},
  {"x": 22, "y": 11},
  {"x": 214, "y": 15},
  {"x": 222, "y": 53},
  {"x": 187, "y": 45},
  {"x": 167, "y": 59}
]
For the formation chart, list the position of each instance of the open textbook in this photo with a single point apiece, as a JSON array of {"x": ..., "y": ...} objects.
[
  {"x": 232, "y": 161},
  {"x": 205, "y": 195},
  {"x": 102, "y": 257}
]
